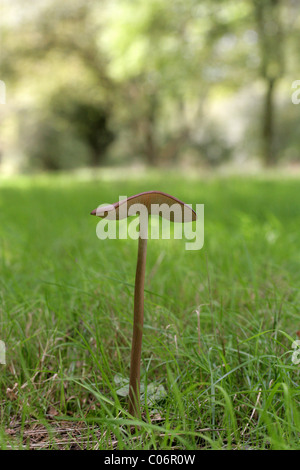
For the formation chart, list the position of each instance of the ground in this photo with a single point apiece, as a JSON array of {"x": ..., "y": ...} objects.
[{"x": 219, "y": 322}]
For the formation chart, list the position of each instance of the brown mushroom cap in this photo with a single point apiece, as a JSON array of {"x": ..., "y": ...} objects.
[{"x": 152, "y": 200}]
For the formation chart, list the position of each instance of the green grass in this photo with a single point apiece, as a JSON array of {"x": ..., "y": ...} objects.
[{"x": 66, "y": 311}]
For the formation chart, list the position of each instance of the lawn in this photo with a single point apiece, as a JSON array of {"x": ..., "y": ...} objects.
[{"x": 217, "y": 368}]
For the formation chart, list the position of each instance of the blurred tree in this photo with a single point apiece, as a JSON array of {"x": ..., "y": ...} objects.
[
  {"x": 49, "y": 147},
  {"x": 87, "y": 119},
  {"x": 148, "y": 74},
  {"x": 268, "y": 15},
  {"x": 159, "y": 54}
]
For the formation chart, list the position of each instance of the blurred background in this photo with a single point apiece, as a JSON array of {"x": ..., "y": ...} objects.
[{"x": 167, "y": 83}]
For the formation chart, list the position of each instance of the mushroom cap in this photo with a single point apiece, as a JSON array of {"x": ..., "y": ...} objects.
[{"x": 156, "y": 203}]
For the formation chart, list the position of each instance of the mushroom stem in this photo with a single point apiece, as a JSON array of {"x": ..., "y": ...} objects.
[{"x": 138, "y": 320}]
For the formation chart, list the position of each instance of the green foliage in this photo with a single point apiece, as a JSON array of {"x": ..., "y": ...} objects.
[{"x": 50, "y": 146}]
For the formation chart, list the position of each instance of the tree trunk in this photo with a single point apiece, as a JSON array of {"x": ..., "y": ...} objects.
[
  {"x": 268, "y": 124},
  {"x": 150, "y": 147},
  {"x": 151, "y": 150}
]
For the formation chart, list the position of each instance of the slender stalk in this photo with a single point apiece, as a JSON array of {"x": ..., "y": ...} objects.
[{"x": 138, "y": 320}]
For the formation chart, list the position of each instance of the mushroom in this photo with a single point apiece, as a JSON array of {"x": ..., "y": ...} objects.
[{"x": 147, "y": 203}]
